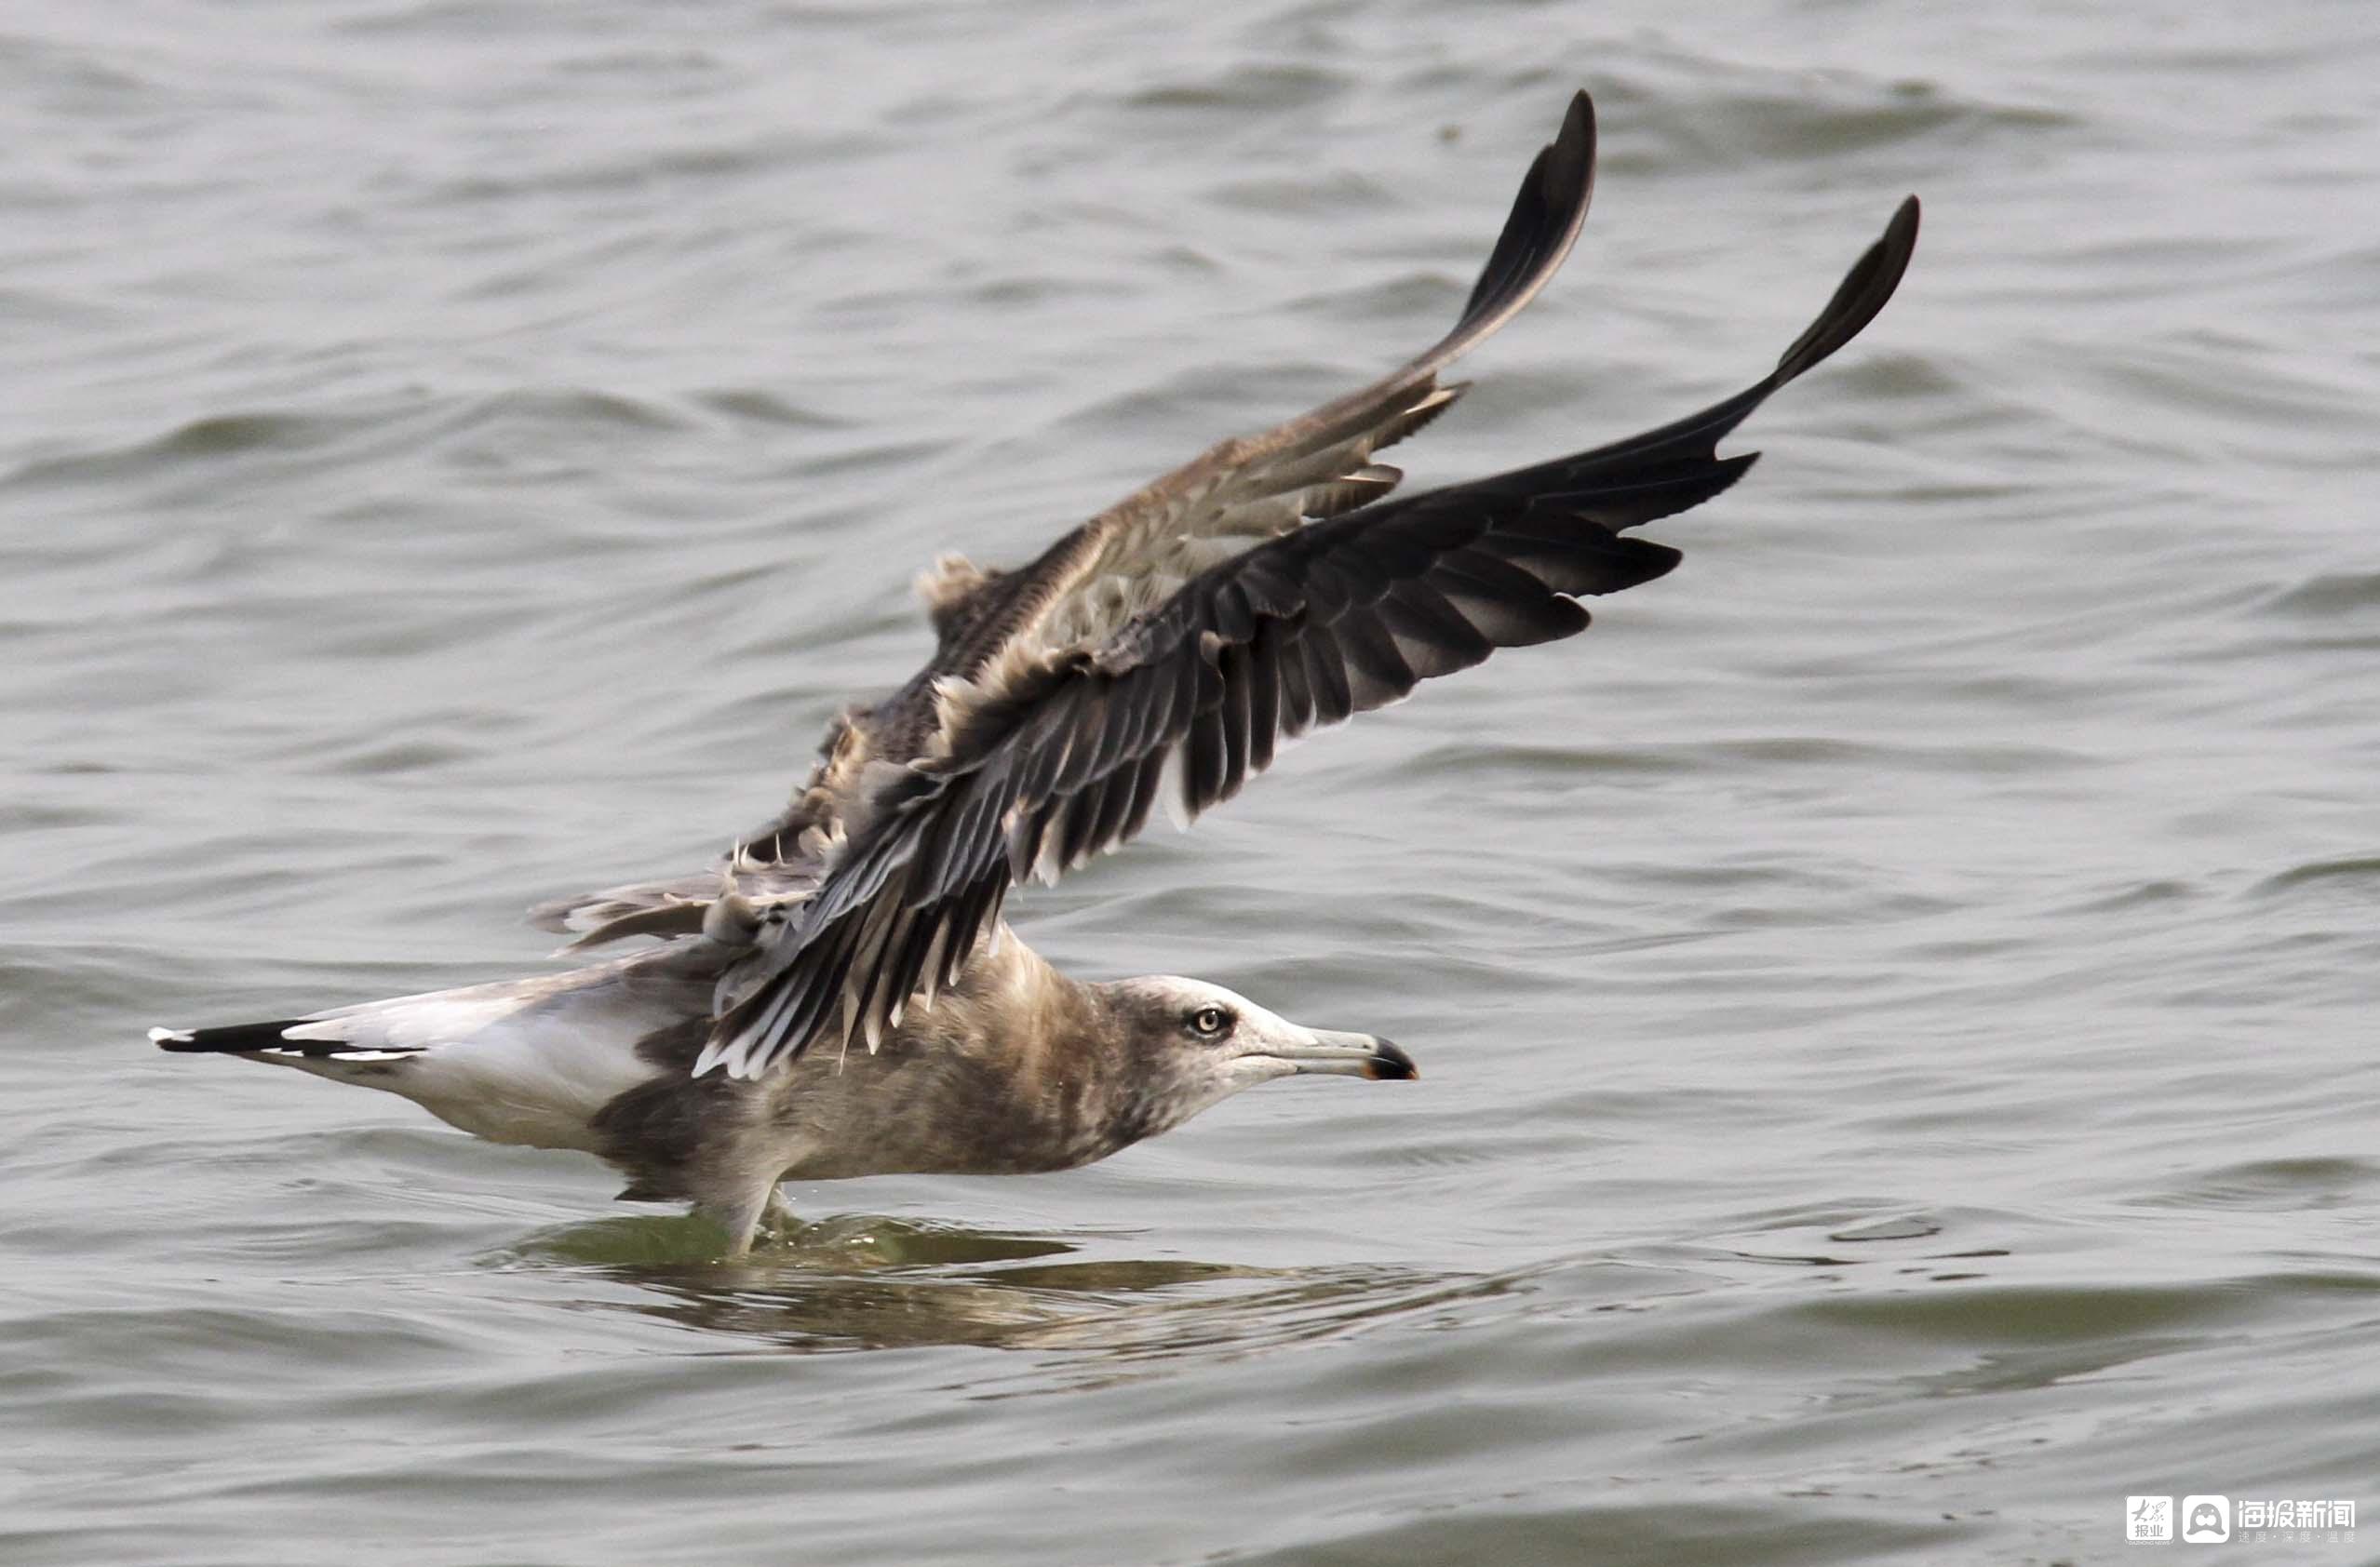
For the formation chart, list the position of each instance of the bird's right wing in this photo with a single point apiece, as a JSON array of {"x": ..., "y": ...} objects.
[{"x": 1066, "y": 757}]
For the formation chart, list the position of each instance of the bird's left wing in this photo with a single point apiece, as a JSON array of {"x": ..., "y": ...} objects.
[
  {"x": 1240, "y": 492},
  {"x": 1065, "y": 756},
  {"x": 995, "y": 628}
]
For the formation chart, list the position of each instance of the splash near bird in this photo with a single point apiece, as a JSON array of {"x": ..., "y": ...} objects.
[{"x": 838, "y": 994}]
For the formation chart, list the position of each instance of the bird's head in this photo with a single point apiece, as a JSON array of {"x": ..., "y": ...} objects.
[{"x": 1191, "y": 1044}]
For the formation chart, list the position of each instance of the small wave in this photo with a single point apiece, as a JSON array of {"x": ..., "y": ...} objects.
[
  {"x": 2357, "y": 869},
  {"x": 1242, "y": 88},
  {"x": 1729, "y": 757},
  {"x": 2328, "y": 596},
  {"x": 764, "y": 406},
  {"x": 350, "y": 435},
  {"x": 209, "y": 438},
  {"x": 2276, "y": 1185},
  {"x": 1690, "y": 111}
]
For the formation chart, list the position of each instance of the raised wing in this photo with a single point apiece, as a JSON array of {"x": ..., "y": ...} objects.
[
  {"x": 1066, "y": 757},
  {"x": 993, "y": 626},
  {"x": 1240, "y": 492}
]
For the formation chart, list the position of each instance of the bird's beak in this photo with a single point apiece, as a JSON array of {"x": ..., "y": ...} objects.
[{"x": 1351, "y": 1055}]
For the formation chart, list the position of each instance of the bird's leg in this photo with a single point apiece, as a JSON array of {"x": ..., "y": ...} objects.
[
  {"x": 739, "y": 1211},
  {"x": 778, "y": 1214}
]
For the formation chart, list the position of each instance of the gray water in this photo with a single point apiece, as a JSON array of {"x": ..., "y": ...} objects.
[{"x": 1896, "y": 999}]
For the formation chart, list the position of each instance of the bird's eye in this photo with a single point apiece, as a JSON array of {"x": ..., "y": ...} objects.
[{"x": 1208, "y": 1022}]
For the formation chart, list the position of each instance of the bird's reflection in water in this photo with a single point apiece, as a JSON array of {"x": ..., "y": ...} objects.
[{"x": 863, "y": 1282}]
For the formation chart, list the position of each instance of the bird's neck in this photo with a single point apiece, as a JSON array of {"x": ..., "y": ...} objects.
[{"x": 1016, "y": 1029}]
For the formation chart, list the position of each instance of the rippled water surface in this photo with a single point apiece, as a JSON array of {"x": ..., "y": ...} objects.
[{"x": 1896, "y": 1000}]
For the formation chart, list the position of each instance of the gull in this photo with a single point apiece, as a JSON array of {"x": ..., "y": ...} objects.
[{"x": 838, "y": 994}]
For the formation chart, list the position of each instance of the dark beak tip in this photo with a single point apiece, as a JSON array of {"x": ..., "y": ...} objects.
[{"x": 1390, "y": 1064}]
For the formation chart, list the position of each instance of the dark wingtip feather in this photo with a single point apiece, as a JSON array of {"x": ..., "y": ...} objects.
[
  {"x": 1668, "y": 468},
  {"x": 1547, "y": 213},
  {"x": 1864, "y": 291}
]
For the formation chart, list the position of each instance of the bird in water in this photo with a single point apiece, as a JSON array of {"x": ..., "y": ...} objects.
[{"x": 838, "y": 994}]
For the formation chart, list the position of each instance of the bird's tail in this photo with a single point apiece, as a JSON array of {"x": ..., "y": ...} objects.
[
  {"x": 269, "y": 1038},
  {"x": 230, "y": 1040}
]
